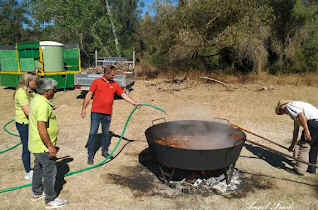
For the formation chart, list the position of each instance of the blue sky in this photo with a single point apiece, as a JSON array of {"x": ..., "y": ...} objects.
[{"x": 147, "y": 3}]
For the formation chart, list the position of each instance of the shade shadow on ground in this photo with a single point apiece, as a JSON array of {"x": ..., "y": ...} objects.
[
  {"x": 136, "y": 180},
  {"x": 62, "y": 169},
  {"x": 99, "y": 137},
  {"x": 97, "y": 141},
  {"x": 275, "y": 160}
]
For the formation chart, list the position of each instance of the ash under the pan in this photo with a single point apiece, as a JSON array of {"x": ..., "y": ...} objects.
[
  {"x": 193, "y": 182},
  {"x": 208, "y": 185}
]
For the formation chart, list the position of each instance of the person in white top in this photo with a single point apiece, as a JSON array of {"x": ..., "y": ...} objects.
[{"x": 306, "y": 116}]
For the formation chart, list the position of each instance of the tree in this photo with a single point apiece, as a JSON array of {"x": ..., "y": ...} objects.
[
  {"x": 210, "y": 28},
  {"x": 294, "y": 35},
  {"x": 88, "y": 23},
  {"x": 13, "y": 17},
  {"x": 245, "y": 35}
]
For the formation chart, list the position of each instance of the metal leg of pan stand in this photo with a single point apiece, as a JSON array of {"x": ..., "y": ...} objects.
[
  {"x": 162, "y": 176},
  {"x": 165, "y": 175},
  {"x": 172, "y": 173},
  {"x": 229, "y": 173}
]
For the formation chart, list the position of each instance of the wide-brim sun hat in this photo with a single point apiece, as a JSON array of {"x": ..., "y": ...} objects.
[{"x": 279, "y": 105}]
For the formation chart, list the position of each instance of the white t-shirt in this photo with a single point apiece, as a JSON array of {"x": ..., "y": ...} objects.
[{"x": 296, "y": 107}]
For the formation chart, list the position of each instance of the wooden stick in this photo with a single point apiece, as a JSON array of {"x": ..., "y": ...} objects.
[
  {"x": 250, "y": 132},
  {"x": 280, "y": 153},
  {"x": 222, "y": 83}
]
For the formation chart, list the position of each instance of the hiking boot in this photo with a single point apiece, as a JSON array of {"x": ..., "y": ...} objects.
[
  {"x": 106, "y": 154},
  {"x": 28, "y": 175},
  {"x": 56, "y": 203}
]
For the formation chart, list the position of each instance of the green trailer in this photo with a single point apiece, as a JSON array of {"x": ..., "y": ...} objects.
[{"x": 47, "y": 59}]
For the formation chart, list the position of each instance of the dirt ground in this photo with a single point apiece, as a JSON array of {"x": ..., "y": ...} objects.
[{"x": 124, "y": 183}]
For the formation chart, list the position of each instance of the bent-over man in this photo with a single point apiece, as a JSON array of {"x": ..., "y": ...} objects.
[{"x": 306, "y": 116}]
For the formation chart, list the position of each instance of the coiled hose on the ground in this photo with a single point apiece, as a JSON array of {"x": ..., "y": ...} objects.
[
  {"x": 12, "y": 134},
  {"x": 84, "y": 169}
]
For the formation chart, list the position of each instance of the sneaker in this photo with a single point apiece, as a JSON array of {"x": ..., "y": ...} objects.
[
  {"x": 105, "y": 155},
  {"x": 56, "y": 203},
  {"x": 37, "y": 197},
  {"x": 90, "y": 161},
  {"x": 28, "y": 175}
]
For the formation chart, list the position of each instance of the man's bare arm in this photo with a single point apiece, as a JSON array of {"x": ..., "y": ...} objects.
[
  {"x": 303, "y": 122},
  {"x": 295, "y": 136},
  {"x": 128, "y": 99},
  {"x": 26, "y": 110},
  {"x": 44, "y": 135},
  {"x": 85, "y": 103}
]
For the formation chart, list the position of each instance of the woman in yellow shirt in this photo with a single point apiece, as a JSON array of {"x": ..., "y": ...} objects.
[{"x": 22, "y": 97}]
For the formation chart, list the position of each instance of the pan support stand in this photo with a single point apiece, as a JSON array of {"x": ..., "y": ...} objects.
[
  {"x": 229, "y": 173},
  {"x": 166, "y": 176}
]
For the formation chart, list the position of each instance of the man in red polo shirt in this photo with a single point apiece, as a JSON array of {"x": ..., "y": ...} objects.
[{"x": 103, "y": 90}]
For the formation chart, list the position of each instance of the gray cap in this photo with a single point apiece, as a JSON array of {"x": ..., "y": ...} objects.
[{"x": 45, "y": 84}]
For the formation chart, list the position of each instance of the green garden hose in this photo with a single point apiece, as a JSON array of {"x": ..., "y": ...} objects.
[
  {"x": 102, "y": 162},
  {"x": 12, "y": 134}
]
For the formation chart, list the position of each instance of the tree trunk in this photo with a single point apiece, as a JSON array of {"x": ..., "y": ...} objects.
[
  {"x": 113, "y": 27},
  {"x": 259, "y": 67}
]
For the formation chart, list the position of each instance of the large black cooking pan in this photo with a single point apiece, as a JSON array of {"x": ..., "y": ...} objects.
[{"x": 220, "y": 147}]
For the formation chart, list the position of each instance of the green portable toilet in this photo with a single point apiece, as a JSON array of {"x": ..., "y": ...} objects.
[{"x": 53, "y": 56}]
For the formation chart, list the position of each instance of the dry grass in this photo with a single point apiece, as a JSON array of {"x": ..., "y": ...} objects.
[
  {"x": 145, "y": 70},
  {"x": 308, "y": 79}
]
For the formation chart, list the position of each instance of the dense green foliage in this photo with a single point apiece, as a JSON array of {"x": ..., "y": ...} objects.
[
  {"x": 279, "y": 36},
  {"x": 88, "y": 23},
  {"x": 238, "y": 35}
]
